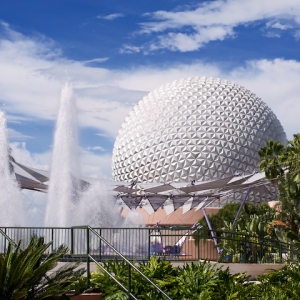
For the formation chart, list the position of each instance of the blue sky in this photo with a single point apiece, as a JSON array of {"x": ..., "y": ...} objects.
[{"x": 116, "y": 52}]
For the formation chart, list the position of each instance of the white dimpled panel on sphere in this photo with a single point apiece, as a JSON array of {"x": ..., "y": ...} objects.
[{"x": 194, "y": 129}]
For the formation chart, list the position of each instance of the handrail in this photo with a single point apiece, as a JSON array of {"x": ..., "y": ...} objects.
[
  {"x": 7, "y": 237},
  {"x": 123, "y": 257},
  {"x": 112, "y": 277}
]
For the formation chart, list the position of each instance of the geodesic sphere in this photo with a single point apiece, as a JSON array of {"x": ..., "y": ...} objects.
[{"x": 194, "y": 129}]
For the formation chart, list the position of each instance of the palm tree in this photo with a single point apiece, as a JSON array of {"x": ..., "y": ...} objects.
[
  {"x": 292, "y": 157},
  {"x": 289, "y": 197},
  {"x": 271, "y": 160},
  {"x": 23, "y": 274}
]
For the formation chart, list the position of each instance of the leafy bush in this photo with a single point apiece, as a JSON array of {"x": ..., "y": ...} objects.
[
  {"x": 288, "y": 273},
  {"x": 160, "y": 271},
  {"x": 281, "y": 284},
  {"x": 253, "y": 238},
  {"x": 199, "y": 280},
  {"x": 106, "y": 285},
  {"x": 23, "y": 274},
  {"x": 254, "y": 219},
  {"x": 82, "y": 285}
]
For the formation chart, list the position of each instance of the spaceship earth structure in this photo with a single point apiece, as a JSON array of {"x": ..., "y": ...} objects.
[{"x": 196, "y": 128}]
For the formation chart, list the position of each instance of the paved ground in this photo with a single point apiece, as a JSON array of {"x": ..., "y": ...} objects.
[
  {"x": 252, "y": 269},
  {"x": 93, "y": 266}
]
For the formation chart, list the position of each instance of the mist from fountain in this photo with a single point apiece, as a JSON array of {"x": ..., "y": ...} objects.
[
  {"x": 63, "y": 186},
  {"x": 12, "y": 212},
  {"x": 133, "y": 219},
  {"x": 97, "y": 207}
]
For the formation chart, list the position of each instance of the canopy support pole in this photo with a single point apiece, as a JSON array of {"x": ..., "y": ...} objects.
[
  {"x": 211, "y": 230},
  {"x": 241, "y": 206}
]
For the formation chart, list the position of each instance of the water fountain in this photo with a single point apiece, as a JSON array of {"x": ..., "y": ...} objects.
[
  {"x": 12, "y": 212},
  {"x": 68, "y": 204},
  {"x": 63, "y": 187}
]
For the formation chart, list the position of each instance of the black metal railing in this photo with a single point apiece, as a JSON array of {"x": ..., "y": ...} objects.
[
  {"x": 241, "y": 247},
  {"x": 172, "y": 243}
]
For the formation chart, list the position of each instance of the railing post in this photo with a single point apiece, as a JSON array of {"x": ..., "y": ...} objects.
[
  {"x": 52, "y": 239},
  {"x": 245, "y": 249},
  {"x": 198, "y": 239},
  {"x": 129, "y": 281},
  {"x": 280, "y": 252},
  {"x": 100, "y": 254},
  {"x": 72, "y": 241},
  {"x": 4, "y": 250},
  {"x": 262, "y": 243},
  {"x": 149, "y": 243},
  {"x": 88, "y": 253}
]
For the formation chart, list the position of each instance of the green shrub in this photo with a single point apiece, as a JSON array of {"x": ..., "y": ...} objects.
[
  {"x": 23, "y": 273},
  {"x": 159, "y": 271},
  {"x": 197, "y": 281},
  {"x": 103, "y": 281}
]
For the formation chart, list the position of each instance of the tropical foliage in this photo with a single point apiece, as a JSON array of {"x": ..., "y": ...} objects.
[
  {"x": 201, "y": 280},
  {"x": 277, "y": 158},
  {"x": 254, "y": 220},
  {"x": 289, "y": 205},
  {"x": 23, "y": 273},
  {"x": 272, "y": 159},
  {"x": 281, "y": 284},
  {"x": 253, "y": 237},
  {"x": 259, "y": 226},
  {"x": 282, "y": 163}
]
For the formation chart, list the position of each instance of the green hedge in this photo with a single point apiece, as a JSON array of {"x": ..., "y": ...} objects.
[{"x": 199, "y": 280}]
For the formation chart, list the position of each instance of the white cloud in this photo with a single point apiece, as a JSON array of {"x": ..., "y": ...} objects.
[
  {"x": 271, "y": 34},
  {"x": 93, "y": 165},
  {"x": 111, "y": 16},
  {"x": 102, "y": 134},
  {"x": 97, "y": 166},
  {"x": 20, "y": 58},
  {"x": 95, "y": 148},
  {"x": 15, "y": 135},
  {"x": 31, "y": 82},
  {"x": 184, "y": 42},
  {"x": 190, "y": 29},
  {"x": 130, "y": 49},
  {"x": 35, "y": 205},
  {"x": 15, "y": 119},
  {"x": 35, "y": 160},
  {"x": 149, "y": 78},
  {"x": 277, "y": 25},
  {"x": 297, "y": 35},
  {"x": 95, "y": 60},
  {"x": 105, "y": 107}
]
